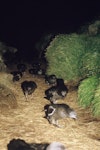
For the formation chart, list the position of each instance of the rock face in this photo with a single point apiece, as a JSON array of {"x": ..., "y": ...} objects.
[
  {"x": 7, "y": 97},
  {"x": 94, "y": 28},
  {"x": 5, "y": 50},
  {"x": 2, "y": 65}
]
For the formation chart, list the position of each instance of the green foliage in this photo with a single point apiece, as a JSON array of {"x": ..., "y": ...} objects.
[
  {"x": 92, "y": 43},
  {"x": 86, "y": 91},
  {"x": 64, "y": 55},
  {"x": 96, "y": 102},
  {"x": 91, "y": 58},
  {"x": 91, "y": 64},
  {"x": 74, "y": 57}
]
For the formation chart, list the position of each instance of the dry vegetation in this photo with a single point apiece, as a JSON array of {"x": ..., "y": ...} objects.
[{"x": 26, "y": 120}]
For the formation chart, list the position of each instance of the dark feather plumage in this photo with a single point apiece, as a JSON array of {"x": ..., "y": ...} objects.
[
  {"x": 50, "y": 79},
  {"x": 28, "y": 87},
  {"x": 57, "y": 92},
  {"x": 17, "y": 75},
  {"x": 21, "y": 67},
  {"x": 19, "y": 144}
]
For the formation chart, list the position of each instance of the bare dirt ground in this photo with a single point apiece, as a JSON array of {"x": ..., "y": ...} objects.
[{"x": 26, "y": 121}]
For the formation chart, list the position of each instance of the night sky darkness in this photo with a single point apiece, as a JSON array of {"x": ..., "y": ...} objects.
[{"x": 23, "y": 22}]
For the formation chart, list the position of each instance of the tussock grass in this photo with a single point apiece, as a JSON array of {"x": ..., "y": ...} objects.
[
  {"x": 96, "y": 102},
  {"x": 86, "y": 91},
  {"x": 74, "y": 57},
  {"x": 63, "y": 56},
  {"x": 91, "y": 64}
]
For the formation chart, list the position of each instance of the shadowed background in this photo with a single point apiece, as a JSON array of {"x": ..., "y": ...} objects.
[{"x": 24, "y": 22}]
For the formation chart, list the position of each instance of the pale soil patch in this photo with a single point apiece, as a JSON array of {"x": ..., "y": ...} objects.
[{"x": 27, "y": 122}]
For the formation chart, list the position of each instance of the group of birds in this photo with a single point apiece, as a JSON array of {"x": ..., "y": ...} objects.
[
  {"x": 53, "y": 111},
  {"x": 57, "y": 90},
  {"x": 36, "y": 69}
]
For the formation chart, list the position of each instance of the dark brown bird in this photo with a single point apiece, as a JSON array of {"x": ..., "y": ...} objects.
[
  {"x": 17, "y": 75},
  {"x": 21, "y": 67},
  {"x": 56, "y": 92},
  {"x": 51, "y": 79},
  {"x": 28, "y": 88}
]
